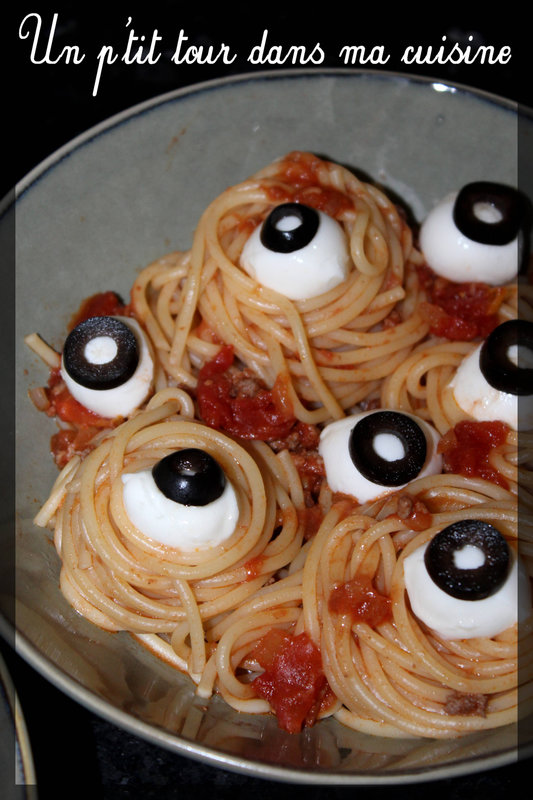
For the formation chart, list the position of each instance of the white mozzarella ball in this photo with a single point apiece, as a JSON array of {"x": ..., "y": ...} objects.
[
  {"x": 453, "y": 618},
  {"x": 120, "y": 401},
  {"x": 174, "y": 524},
  {"x": 477, "y": 398},
  {"x": 310, "y": 271},
  {"x": 343, "y": 476},
  {"x": 454, "y": 256}
]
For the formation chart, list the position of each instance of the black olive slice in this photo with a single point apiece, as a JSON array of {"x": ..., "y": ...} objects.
[
  {"x": 497, "y": 367},
  {"x": 507, "y": 201},
  {"x": 378, "y": 469},
  {"x": 474, "y": 583},
  {"x": 191, "y": 477},
  {"x": 279, "y": 238},
  {"x": 107, "y": 375}
]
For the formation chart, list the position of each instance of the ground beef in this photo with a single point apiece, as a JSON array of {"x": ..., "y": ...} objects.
[
  {"x": 244, "y": 383},
  {"x": 471, "y": 705}
]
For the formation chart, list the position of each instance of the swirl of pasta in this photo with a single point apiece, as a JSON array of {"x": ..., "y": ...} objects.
[
  {"x": 335, "y": 348},
  {"x": 399, "y": 677},
  {"x": 393, "y": 677},
  {"x": 120, "y": 579}
]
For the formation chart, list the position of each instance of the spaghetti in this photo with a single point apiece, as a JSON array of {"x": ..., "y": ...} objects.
[
  {"x": 310, "y": 583},
  {"x": 390, "y": 676},
  {"x": 122, "y": 580},
  {"x": 334, "y": 349}
]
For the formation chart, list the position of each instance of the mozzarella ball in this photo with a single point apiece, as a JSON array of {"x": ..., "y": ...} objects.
[
  {"x": 343, "y": 475},
  {"x": 122, "y": 399},
  {"x": 456, "y": 257},
  {"x": 453, "y": 618},
  {"x": 186, "y": 527},
  {"x": 311, "y": 258},
  {"x": 478, "y": 398}
]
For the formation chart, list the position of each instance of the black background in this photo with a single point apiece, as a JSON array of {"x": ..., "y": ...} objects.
[
  {"x": 55, "y": 102},
  {"x": 47, "y": 105}
]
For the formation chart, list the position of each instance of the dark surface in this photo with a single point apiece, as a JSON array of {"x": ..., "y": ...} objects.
[
  {"x": 73, "y": 749},
  {"x": 55, "y": 102}
]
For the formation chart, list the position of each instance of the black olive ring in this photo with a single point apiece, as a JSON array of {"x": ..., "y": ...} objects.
[
  {"x": 470, "y": 583},
  {"x": 495, "y": 364},
  {"x": 505, "y": 199},
  {"x": 190, "y": 477},
  {"x": 287, "y": 241},
  {"x": 110, "y": 374},
  {"x": 380, "y": 470}
]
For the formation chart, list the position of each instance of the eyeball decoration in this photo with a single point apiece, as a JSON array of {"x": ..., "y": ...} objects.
[
  {"x": 466, "y": 582},
  {"x": 184, "y": 501},
  {"x": 371, "y": 454},
  {"x": 297, "y": 251},
  {"x": 489, "y": 381},
  {"x": 107, "y": 365},
  {"x": 476, "y": 234}
]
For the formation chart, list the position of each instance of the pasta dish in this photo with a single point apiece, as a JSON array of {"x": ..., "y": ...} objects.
[{"x": 294, "y": 463}]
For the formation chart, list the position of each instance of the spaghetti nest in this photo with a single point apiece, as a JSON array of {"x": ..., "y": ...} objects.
[
  {"x": 120, "y": 579},
  {"x": 297, "y": 547},
  {"x": 392, "y": 676},
  {"x": 423, "y": 385},
  {"x": 332, "y": 350}
]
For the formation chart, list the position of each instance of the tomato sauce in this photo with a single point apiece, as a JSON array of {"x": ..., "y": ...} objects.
[
  {"x": 301, "y": 172},
  {"x": 264, "y": 414},
  {"x": 299, "y": 169},
  {"x": 69, "y": 442},
  {"x": 359, "y": 600},
  {"x": 466, "y": 449},
  {"x": 293, "y": 681},
  {"x": 310, "y": 518},
  {"x": 420, "y": 518},
  {"x": 414, "y": 513},
  {"x": 311, "y": 470},
  {"x": 253, "y": 567},
  {"x": 459, "y": 311},
  {"x": 101, "y": 304},
  {"x": 67, "y": 409},
  {"x": 84, "y": 424}
]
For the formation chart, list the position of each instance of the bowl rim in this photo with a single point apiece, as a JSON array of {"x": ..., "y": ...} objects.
[
  {"x": 148, "y": 104},
  {"x": 68, "y": 685}
]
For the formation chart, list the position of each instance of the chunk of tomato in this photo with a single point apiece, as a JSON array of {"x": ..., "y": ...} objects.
[{"x": 293, "y": 681}]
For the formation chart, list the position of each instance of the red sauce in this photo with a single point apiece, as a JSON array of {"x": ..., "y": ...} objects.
[
  {"x": 330, "y": 201},
  {"x": 253, "y": 567},
  {"x": 219, "y": 364},
  {"x": 459, "y": 311},
  {"x": 293, "y": 681},
  {"x": 420, "y": 518},
  {"x": 69, "y": 442},
  {"x": 310, "y": 518},
  {"x": 84, "y": 424},
  {"x": 66, "y": 408},
  {"x": 101, "y": 304},
  {"x": 300, "y": 171},
  {"x": 266, "y": 414},
  {"x": 414, "y": 513},
  {"x": 466, "y": 449},
  {"x": 359, "y": 600},
  {"x": 310, "y": 466}
]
